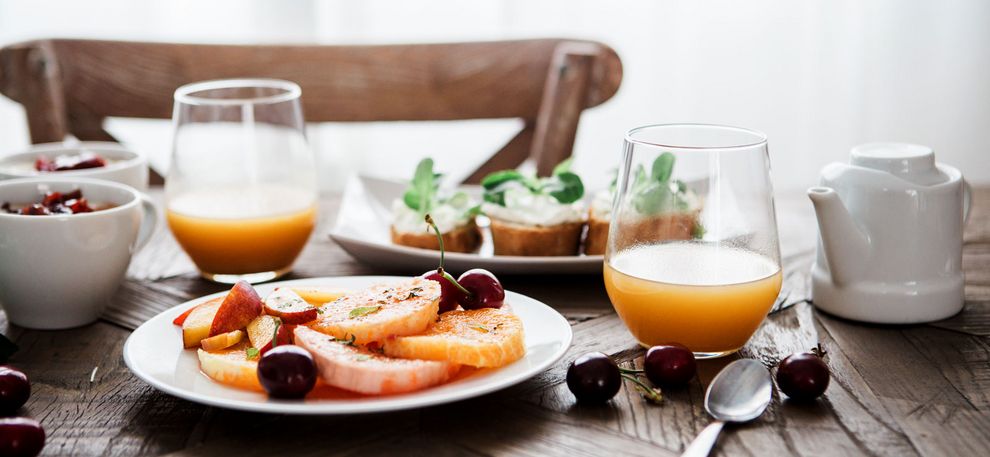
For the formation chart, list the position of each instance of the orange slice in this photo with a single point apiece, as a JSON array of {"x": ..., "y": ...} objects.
[
  {"x": 382, "y": 311},
  {"x": 484, "y": 337}
]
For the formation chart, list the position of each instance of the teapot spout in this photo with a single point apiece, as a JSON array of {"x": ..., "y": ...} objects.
[{"x": 846, "y": 247}]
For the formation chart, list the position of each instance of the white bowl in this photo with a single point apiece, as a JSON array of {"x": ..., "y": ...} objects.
[
  {"x": 59, "y": 271},
  {"x": 126, "y": 167}
]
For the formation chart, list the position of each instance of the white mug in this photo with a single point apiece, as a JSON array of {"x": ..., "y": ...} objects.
[{"x": 60, "y": 271}]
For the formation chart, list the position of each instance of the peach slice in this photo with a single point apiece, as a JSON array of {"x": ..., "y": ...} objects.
[
  {"x": 262, "y": 329},
  {"x": 197, "y": 324},
  {"x": 286, "y": 304},
  {"x": 316, "y": 295},
  {"x": 231, "y": 367},
  {"x": 222, "y": 341},
  {"x": 241, "y": 305}
]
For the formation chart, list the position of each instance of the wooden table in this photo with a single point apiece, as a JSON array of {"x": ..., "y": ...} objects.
[{"x": 907, "y": 390}]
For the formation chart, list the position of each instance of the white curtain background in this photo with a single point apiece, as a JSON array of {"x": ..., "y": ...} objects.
[{"x": 818, "y": 76}]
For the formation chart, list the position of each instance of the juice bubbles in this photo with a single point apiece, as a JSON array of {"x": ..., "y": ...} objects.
[
  {"x": 707, "y": 297},
  {"x": 236, "y": 231}
]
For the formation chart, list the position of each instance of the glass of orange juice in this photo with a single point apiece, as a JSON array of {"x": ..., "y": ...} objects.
[
  {"x": 692, "y": 254},
  {"x": 241, "y": 190}
]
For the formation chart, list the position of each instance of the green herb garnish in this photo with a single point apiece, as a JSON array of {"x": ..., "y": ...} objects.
[
  {"x": 423, "y": 193},
  {"x": 563, "y": 185},
  {"x": 252, "y": 353},
  {"x": 363, "y": 310},
  {"x": 362, "y": 358},
  {"x": 656, "y": 193},
  {"x": 481, "y": 328},
  {"x": 349, "y": 342},
  {"x": 423, "y": 188}
]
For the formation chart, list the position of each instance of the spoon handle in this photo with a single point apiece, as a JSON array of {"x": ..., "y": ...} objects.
[{"x": 705, "y": 440}]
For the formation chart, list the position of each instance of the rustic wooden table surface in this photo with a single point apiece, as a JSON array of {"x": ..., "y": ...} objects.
[{"x": 905, "y": 390}]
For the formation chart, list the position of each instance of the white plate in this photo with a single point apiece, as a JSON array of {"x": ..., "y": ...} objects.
[
  {"x": 154, "y": 353},
  {"x": 362, "y": 229}
]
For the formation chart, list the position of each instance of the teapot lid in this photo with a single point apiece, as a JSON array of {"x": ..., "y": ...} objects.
[{"x": 910, "y": 162}]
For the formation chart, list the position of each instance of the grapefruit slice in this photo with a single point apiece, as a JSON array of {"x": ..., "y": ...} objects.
[
  {"x": 485, "y": 337},
  {"x": 382, "y": 311},
  {"x": 347, "y": 366}
]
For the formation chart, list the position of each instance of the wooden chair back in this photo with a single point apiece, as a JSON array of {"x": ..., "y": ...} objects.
[{"x": 71, "y": 86}]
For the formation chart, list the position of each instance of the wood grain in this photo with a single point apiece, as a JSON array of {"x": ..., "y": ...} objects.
[
  {"x": 920, "y": 390},
  {"x": 71, "y": 86}
]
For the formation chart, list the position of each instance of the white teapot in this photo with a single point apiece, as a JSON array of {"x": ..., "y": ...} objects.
[{"x": 890, "y": 236}]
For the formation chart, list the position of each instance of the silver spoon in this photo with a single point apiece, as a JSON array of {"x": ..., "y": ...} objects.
[{"x": 739, "y": 393}]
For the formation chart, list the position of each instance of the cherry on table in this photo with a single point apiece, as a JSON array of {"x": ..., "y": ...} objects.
[
  {"x": 14, "y": 390},
  {"x": 287, "y": 372},
  {"x": 594, "y": 378},
  {"x": 669, "y": 365},
  {"x": 803, "y": 376},
  {"x": 21, "y": 437}
]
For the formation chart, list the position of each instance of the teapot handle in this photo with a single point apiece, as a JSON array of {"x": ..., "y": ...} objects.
[{"x": 967, "y": 200}]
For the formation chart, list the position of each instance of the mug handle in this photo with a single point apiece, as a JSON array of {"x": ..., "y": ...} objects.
[
  {"x": 149, "y": 223},
  {"x": 967, "y": 200}
]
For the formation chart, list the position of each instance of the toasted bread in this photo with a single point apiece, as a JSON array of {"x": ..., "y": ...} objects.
[
  {"x": 530, "y": 240},
  {"x": 651, "y": 229},
  {"x": 597, "y": 236},
  {"x": 465, "y": 238}
]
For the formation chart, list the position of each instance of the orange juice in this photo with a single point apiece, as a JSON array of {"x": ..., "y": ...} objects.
[
  {"x": 708, "y": 298},
  {"x": 242, "y": 231}
]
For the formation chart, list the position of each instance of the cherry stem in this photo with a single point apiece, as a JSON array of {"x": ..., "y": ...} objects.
[
  {"x": 652, "y": 394},
  {"x": 632, "y": 371},
  {"x": 440, "y": 270},
  {"x": 429, "y": 220}
]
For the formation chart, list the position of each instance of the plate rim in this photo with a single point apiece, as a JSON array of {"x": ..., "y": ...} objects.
[{"x": 327, "y": 409}]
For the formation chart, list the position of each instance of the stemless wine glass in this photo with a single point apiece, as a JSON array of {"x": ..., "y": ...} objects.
[
  {"x": 241, "y": 191},
  {"x": 692, "y": 255}
]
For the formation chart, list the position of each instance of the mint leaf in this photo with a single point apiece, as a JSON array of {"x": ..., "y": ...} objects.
[
  {"x": 566, "y": 187},
  {"x": 498, "y": 178},
  {"x": 363, "y": 310},
  {"x": 563, "y": 166},
  {"x": 252, "y": 353},
  {"x": 423, "y": 188}
]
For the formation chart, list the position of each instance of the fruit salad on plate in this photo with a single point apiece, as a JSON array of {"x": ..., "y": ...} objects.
[{"x": 387, "y": 339}]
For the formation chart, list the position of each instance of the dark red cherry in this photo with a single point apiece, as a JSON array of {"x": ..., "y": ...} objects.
[
  {"x": 14, "y": 389},
  {"x": 803, "y": 376},
  {"x": 450, "y": 295},
  {"x": 287, "y": 372},
  {"x": 669, "y": 365},
  {"x": 594, "y": 378},
  {"x": 486, "y": 291},
  {"x": 21, "y": 437}
]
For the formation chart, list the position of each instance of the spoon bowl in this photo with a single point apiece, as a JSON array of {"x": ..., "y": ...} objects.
[{"x": 739, "y": 393}]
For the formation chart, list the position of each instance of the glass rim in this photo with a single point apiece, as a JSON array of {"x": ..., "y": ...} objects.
[
  {"x": 184, "y": 94},
  {"x": 759, "y": 136}
]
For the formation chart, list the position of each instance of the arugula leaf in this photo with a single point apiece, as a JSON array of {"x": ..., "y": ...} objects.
[
  {"x": 363, "y": 310},
  {"x": 423, "y": 187},
  {"x": 563, "y": 167},
  {"x": 567, "y": 189}
]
